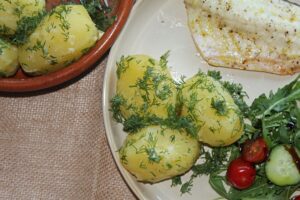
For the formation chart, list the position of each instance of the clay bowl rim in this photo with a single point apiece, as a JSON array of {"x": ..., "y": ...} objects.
[{"x": 75, "y": 69}]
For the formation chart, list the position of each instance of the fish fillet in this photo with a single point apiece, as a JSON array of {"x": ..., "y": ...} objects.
[{"x": 256, "y": 35}]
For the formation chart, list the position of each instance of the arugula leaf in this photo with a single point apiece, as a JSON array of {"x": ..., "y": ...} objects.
[
  {"x": 214, "y": 159},
  {"x": 263, "y": 105},
  {"x": 278, "y": 114},
  {"x": 217, "y": 183},
  {"x": 277, "y": 118},
  {"x": 261, "y": 190}
]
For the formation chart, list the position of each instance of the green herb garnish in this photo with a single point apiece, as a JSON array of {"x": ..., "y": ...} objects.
[
  {"x": 99, "y": 13},
  {"x": 275, "y": 117},
  {"x": 219, "y": 106},
  {"x": 26, "y": 26}
]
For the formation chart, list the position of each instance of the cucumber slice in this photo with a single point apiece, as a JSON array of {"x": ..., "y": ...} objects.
[
  {"x": 281, "y": 168},
  {"x": 297, "y": 140}
]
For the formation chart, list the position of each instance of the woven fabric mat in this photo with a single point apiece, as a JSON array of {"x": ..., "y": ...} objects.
[{"x": 53, "y": 144}]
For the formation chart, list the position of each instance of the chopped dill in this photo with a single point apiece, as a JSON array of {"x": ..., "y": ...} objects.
[
  {"x": 116, "y": 102},
  {"x": 122, "y": 65},
  {"x": 152, "y": 155},
  {"x": 176, "y": 180},
  {"x": 3, "y": 46},
  {"x": 219, "y": 106},
  {"x": 235, "y": 90},
  {"x": 40, "y": 46},
  {"x": 163, "y": 62},
  {"x": 25, "y": 27},
  {"x": 99, "y": 13},
  {"x": 4, "y": 30},
  {"x": 61, "y": 13}
]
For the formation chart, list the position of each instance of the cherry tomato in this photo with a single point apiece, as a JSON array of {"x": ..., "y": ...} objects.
[
  {"x": 296, "y": 197},
  {"x": 241, "y": 174},
  {"x": 255, "y": 151}
]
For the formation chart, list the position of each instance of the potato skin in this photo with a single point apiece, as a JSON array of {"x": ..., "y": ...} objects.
[
  {"x": 12, "y": 11},
  {"x": 157, "y": 153},
  {"x": 213, "y": 110},
  {"x": 146, "y": 87},
  {"x": 8, "y": 59},
  {"x": 63, "y": 36}
]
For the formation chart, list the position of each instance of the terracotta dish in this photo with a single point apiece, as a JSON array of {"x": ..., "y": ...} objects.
[{"x": 23, "y": 83}]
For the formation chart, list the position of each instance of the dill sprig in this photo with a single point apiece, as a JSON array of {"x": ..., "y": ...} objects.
[
  {"x": 25, "y": 27},
  {"x": 99, "y": 13}
]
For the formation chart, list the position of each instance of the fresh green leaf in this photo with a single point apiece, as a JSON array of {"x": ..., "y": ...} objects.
[{"x": 263, "y": 105}]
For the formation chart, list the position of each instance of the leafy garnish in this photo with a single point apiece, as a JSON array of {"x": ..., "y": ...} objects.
[
  {"x": 136, "y": 122},
  {"x": 235, "y": 89},
  {"x": 99, "y": 13},
  {"x": 26, "y": 26},
  {"x": 164, "y": 60},
  {"x": 278, "y": 114},
  {"x": 275, "y": 117},
  {"x": 213, "y": 160},
  {"x": 261, "y": 190},
  {"x": 219, "y": 106}
]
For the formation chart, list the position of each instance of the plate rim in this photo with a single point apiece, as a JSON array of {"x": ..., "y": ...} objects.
[
  {"x": 127, "y": 177},
  {"x": 105, "y": 105}
]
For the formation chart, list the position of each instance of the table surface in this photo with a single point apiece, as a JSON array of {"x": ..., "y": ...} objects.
[{"x": 53, "y": 144}]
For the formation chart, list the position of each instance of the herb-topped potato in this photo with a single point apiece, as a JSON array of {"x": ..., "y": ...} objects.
[
  {"x": 8, "y": 59},
  {"x": 62, "y": 37},
  {"x": 157, "y": 153},
  {"x": 213, "y": 110},
  {"x": 12, "y": 11},
  {"x": 144, "y": 88}
]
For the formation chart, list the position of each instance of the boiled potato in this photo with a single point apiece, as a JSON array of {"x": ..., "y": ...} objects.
[
  {"x": 145, "y": 86},
  {"x": 157, "y": 153},
  {"x": 8, "y": 59},
  {"x": 11, "y": 11},
  {"x": 213, "y": 110},
  {"x": 62, "y": 37}
]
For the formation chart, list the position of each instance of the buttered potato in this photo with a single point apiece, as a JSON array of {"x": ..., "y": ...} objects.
[
  {"x": 62, "y": 37},
  {"x": 157, "y": 153},
  {"x": 12, "y": 11},
  {"x": 8, "y": 59},
  {"x": 144, "y": 87},
  {"x": 213, "y": 110}
]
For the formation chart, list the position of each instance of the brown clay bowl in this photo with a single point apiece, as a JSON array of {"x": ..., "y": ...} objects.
[{"x": 24, "y": 83}]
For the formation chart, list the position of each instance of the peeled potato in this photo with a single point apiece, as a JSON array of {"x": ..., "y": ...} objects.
[
  {"x": 213, "y": 110},
  {"x": 145, "y": 86},
  {"x": 8, "y": 59},
  {"x": 62, "y": 37},
  {"x": 157, "y": 153},
  {"x": 13, "y": 10}
]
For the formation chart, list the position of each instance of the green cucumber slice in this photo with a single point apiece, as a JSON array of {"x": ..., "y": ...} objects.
[{"x": 281, "y": 168}]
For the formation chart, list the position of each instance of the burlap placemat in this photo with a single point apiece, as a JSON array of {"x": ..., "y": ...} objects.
[{"x": 53, "y": 144}]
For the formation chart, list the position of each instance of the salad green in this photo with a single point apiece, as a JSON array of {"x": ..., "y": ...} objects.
[{"x": 276, "y": 118}]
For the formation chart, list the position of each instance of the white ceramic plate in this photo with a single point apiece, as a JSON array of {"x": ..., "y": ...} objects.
[{"x": 153, "y": 28}]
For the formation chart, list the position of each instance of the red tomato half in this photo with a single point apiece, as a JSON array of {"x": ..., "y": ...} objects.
[
  {"x": 241, "y": 174},
  {"x": 255, "y": 151},
  {"x": 296, "y": 197}
]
